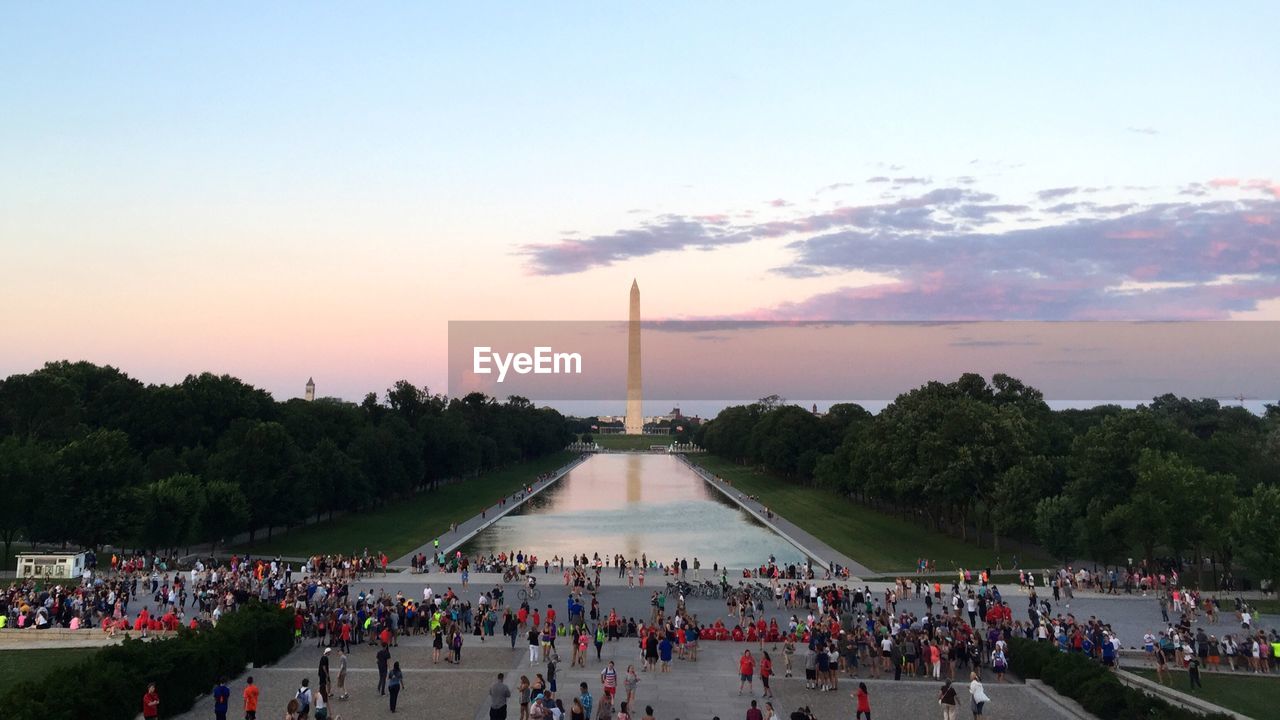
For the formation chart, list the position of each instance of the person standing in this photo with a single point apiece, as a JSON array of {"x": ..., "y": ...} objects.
[
  {"x": 766, "y": 669},
  {"x": 753, "y": 712},
  {"x": 1193, "y": 671},
  {"x": 322, "y": 671},
  {"x": 395, "y": 680},
  {"x": 384, "y": 657},
  {"x": 977, "y": 695},
  {"x": 586, "y": 700},
  {"x": 250, "y": 696},
  {"x": 746, "y": 669},
  {"x": 151, "y": 702},
  {"x": 552, "y": 661},
  {"x": 342, "y": 676},
  {"x": 499, "y": 693},
  {"x": 864, "y": 702},
  {"x": 322, "y": 703},
  {"x": 947, "y": 699},
  {"x": 609, "y": 681},
  {"x": 629, "y": 684},
  {"x": 221, "y": 697},
  {"x": 303, "y": 696}
]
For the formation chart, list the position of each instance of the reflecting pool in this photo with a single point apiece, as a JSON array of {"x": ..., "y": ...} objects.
[{"x": 635, "y": 504}]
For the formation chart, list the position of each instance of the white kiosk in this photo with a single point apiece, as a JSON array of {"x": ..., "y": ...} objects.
[{"x": 64, "y": 566}]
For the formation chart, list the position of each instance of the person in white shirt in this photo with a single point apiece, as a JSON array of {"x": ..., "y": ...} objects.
[{"x": 977, "y": 695}]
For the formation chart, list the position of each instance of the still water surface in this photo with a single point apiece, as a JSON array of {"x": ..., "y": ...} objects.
[{"x": 632, "y": 504}]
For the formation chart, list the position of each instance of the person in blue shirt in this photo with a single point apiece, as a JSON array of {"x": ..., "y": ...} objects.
[
  {"x": 664, "y": 652},
  {"x": 221, "y": 695}
]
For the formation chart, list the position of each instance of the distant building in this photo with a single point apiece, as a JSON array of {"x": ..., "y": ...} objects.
[
  {"x": 59, "y": 565},
  {"x": 311, "y": 390}
]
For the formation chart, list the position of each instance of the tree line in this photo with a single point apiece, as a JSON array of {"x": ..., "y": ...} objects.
[
  {"x": 91, "y": 456},
  {"x": 1176, "y": 478}
]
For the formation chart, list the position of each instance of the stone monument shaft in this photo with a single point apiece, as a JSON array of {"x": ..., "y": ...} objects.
[{"x": 635, "y": 404}]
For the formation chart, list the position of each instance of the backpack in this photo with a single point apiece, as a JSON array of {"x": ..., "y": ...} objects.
[{"x": 304, "y": 698}]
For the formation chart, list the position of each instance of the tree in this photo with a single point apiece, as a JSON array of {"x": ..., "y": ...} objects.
[
  {"x": 24, "y": 469},
  {"x": 39, "y": 406},
  {"x": 1014, "y": 498},
  {"x": 260, "y": 458},
  {"x": 1055, "y": 527},
  {"x": 169, "y": 511},
  {"x": 1255, "y": 527},
  {"x": 94, "y": 477},
  {"x": 223, "y": 513}
]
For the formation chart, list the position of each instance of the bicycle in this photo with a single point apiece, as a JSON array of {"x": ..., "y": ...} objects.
[{"x": 529, "y": 593}]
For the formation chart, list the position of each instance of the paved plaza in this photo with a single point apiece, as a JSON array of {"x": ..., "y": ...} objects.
[
  {"x": 692, "y": 690},
  {"x": 701, "y": 690}
]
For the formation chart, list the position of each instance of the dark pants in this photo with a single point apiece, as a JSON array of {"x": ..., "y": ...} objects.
[
  {"x": 498, "y": 713},
  {"x": 382, "y": 681},
  {"x": 394, "y": 690},
  {"x": 1193, "y": 674}
]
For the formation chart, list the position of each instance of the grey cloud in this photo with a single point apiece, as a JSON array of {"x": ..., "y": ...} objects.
[
  {"x": 1058, "y": 271},
  {"x": 1055, "y": 193},
  {"x": 970, "y": 342}
]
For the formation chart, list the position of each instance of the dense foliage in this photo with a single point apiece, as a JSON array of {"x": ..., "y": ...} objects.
[
  {"x": 109, "y": 684},
  {"x": 1089, "y": 683},
  {"x": 1175, "y": 478},
  {"x": 92, "y": 456}
]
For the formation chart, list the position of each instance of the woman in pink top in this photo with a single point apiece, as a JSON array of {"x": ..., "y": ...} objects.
[{"x": 583, "y": 642}]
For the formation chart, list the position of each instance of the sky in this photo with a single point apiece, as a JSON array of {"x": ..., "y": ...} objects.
[{"x": 314, "y": 190}]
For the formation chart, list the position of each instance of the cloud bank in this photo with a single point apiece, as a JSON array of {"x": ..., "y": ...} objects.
[{"x": 957, "y": 253}]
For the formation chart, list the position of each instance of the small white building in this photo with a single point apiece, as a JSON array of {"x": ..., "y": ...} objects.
[{"x": 65, "y": 566}]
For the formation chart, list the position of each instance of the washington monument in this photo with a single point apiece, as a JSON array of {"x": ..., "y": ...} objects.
[{"x": 635, "y": 406}]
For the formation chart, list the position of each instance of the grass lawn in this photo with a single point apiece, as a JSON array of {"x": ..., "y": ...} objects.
[
  {"x": 1254, "y": 696},
  {"x": 1266, "y": 606},
  {"x": 632, "y": 442},
  {"x": 400, "y": 527},
  {"x": 19, "y": 665},
  {"x": 881, "y": 542}
]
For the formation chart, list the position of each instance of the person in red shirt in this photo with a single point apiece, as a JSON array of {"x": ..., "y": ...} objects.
[
  {"x": 250, "y": 700},
  {"x": 151, "y": 702},
  {"x": 746, "y": 669},
  {"x": 864, "y": 702},
  {"x": 346, "y": 635},
  {"x": 766, "y": 669}
]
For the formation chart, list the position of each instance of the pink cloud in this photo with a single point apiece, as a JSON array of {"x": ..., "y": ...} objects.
[{"x": 1266, "y": 186}]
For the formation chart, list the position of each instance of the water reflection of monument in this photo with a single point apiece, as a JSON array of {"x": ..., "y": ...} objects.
[
  {"x": 634, "y": 424},
  {"x": 633, "y": 540}
]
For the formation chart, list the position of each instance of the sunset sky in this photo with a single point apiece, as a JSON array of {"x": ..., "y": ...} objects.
[{"x": 316, "y": 189}]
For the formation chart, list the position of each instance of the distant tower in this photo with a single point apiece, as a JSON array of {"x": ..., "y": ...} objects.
[
  {"x": 311, "y": 390},
  {"x": 634, "y": 424}
]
